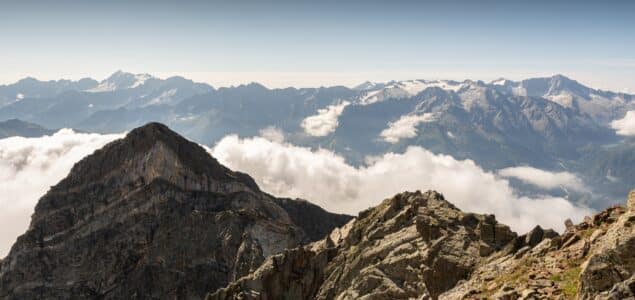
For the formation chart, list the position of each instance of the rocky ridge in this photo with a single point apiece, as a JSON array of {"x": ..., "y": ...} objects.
[
  {"x": 151, "y": 216},
  {"x": 419, "y": 246},
  {"x": 591, "y": 260},
  {"x": 412, "y": 245}
]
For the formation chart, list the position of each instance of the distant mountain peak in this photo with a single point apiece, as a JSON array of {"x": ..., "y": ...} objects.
[
  {"x": 561, "y": 77},
  {"x": 122, "y": 80},
  {"x": 367, "y": 85}
]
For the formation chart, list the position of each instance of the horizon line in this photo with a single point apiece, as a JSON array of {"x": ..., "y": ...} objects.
[{"x": 228, "y": 79}]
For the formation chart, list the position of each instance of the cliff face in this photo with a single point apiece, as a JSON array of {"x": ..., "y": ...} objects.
[
  {"x": 419, "y": 246},
  {"x": 150, "y": 216}
]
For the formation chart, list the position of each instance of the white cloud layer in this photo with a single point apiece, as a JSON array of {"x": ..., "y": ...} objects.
[
  {"x": 28, "y": 167},
  {"x": 273, "y": 134},
  {"x": 405, "y": 127},
  {"x": 327, "y": 180},
  {"x": 326, "y": 120},
  {"x": 544, "y": 179},
  {"x": 626, "y": 125}
]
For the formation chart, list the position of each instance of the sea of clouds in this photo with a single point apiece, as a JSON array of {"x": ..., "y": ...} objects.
[
  {"x": 29, "y": 166},
  {"x": 324, "y": 178}
]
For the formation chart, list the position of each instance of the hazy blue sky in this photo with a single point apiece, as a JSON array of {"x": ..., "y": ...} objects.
[{"x": 321, "y": 42}]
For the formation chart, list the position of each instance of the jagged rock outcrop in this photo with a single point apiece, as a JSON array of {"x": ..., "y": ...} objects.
[
  {"x": 152, "y": 216},
  {"x": 419, "y": 246},
  {"x": 414, "y": 245},
  {"x": 591, "y": 260}
]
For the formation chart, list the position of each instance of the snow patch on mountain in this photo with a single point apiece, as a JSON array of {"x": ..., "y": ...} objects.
[
  {"x": 164, "y": 98},
  {"x": 140, "y": 79},
  {"x": 120, "y": 81},
  {"x": 500, "y": 81},
  {"x": 474, "y": 95},
  {"x": 406, "y": 89},
  {"x": 565, "y": 99}
]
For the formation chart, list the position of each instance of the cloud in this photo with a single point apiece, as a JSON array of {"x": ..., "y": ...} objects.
[
  {"x": 544, "y": 179},
  {"x": 325, "y": 121},
  {"x": 405, "y": 127},
  {"x": 273, "y": 134},
  {"x": 324, "y": 178},
  {"x": 29, "y": 166},
  {"x": 626, "y": 125}
]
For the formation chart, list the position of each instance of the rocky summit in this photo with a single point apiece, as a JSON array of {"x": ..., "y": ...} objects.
[
  {"x": 410, "y": 246},
  {"x": 419, "y": 246},
  {"x": 152, "y": 216}
]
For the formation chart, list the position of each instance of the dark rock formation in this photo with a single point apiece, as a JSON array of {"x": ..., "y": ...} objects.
[
  {"x": 412, "y": 245},
  {"x": 419, "y": 246},
  {"x": 152, "y": 216},
  {"x": 591, "y": 260},
  {"x": 315, "y": 221}
]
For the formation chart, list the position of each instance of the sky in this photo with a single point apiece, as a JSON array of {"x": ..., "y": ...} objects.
[{"x": 310, "y": 43}]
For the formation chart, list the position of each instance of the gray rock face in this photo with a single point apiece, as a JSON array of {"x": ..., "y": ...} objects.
[
  {"x": 419, "y": 246},
  {"x": 591, "y": 260},
  {"x": 412, "y": 245},
  {"x": 612, "y": 263},
  {"x": 151, "y": 216}
]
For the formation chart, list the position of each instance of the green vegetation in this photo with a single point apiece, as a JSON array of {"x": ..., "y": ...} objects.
[{"x": 570, "y": 282}]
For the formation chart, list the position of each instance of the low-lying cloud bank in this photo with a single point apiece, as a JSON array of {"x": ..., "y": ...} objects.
[
  {"x": 29, "y": 166},
  {"x": 405, "y": 127},
  {"x": 325, "y": 121},
  {"x": 626, "y": 125},
  {"x": 324, "y": 178},
  {"x": 544, "y": 179}
]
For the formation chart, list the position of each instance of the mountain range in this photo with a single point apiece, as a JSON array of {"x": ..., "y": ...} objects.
[
  {"x": 553, "y": 123},
  {"x": 154, "y": 216}
]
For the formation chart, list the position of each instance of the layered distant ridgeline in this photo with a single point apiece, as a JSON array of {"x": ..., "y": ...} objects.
[
  {"x": 152, "y": 216},
  {"x": 15, "y": 127},
  {"x": 553, "y": 123}
]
